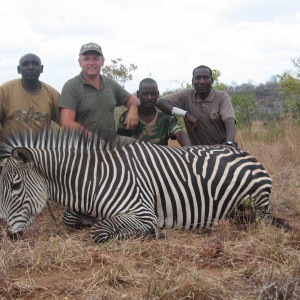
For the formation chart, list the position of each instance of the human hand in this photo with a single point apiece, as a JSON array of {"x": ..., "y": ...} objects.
[
  {"x": 131, "y": 118},
  {"x": 192, "y": 120}
]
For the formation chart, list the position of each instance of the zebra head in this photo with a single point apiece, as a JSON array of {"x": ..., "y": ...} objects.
[{"x": 22, "y": 191}]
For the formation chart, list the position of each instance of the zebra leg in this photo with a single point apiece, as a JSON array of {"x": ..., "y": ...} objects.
[
  {"x": 281, "y": 223},
  {"x": 157, "y": 233},
  {"x": 78, "y": 220},
  {"x": 50, "y": 211},
  {"x": 123, "y": 227},
  {"x": 268, "y": 218}
]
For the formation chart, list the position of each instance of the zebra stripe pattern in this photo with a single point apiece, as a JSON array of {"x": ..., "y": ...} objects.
[{"x": 126, "y": 191}]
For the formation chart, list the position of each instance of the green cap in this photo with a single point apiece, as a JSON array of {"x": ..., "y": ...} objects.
[{"x": 90, "y": 47}]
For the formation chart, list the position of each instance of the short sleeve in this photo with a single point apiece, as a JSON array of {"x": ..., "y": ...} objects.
[
  {"x": 179, "y": 99},
  {"x": 69, "y": 96},
  {"x": 174, "y": 127},
  {"x": 226, "y": 107}
]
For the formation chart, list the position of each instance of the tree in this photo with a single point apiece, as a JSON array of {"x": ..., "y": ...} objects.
[
  {"x": 216, "y": 74},
  {"x": 245, "y": 108},
  {"x": 119, "y": 72},
  {"x": 296, "y": 63},
  {"x": 290, "y": 85}
]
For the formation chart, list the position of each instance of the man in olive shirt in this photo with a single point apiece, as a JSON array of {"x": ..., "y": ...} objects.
[
  {"x": 27, "y": 102},
  {"x": 209, "y": 114},
  {"x": 88, "y": 100}
]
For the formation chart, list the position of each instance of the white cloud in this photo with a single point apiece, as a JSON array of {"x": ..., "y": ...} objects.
[{"x": 166, "y": 39}]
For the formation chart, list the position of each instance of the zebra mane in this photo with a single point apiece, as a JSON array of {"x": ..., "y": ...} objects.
[{"x": 51, "y": 138}]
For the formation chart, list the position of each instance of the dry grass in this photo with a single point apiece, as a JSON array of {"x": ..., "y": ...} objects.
[{"x": 229, "y": 262}]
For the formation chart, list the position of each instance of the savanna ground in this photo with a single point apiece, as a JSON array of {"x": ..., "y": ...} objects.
[{"x": 256, "y": 261}]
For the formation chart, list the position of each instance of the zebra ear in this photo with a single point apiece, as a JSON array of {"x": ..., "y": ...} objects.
[{"x": 21, "y": 153}]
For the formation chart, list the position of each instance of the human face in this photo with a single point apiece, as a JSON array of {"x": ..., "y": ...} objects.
[
  {"x": 30, "y": 67},
  {"x": 91, "y": 63},
  {"x": 148, "y": 94},
  {"x": 202, "y": 81}
]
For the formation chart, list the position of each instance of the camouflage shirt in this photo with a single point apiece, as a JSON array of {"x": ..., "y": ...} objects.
[{"x": 162, "y": 128}]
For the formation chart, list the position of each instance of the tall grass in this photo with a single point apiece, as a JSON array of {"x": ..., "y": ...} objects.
[{"x": 256, "y": 261}]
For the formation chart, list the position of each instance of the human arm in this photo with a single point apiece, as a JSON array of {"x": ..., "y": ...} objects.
[
  {"x": 170, "y": 109},
  {"x": 192, "y": 120},
  {"x": 67, "y": 119},
  {"x": 164, "y": 106},
  {"x": 68, "y": 103},
  {"x": 131, "y": 119},
  {"x": 175, "y": 130},
  {"x": 227, "y": 114},
  {"x": 121, "y": 129},
  {"x": 55, "y": 111},
  {"x": 183, "y": 138},
  {"x": 230, "y": 130}
]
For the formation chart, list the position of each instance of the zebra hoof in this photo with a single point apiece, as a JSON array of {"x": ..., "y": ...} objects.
[
  {"x": 157, "y": 234},
  {"x": 160, "y": 235},
  {"x": 15, "y": 236},
  {"x": 282, "y": 223}
]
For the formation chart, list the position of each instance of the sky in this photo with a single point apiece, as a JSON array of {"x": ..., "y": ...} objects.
[{"x": 246, "y": 40}]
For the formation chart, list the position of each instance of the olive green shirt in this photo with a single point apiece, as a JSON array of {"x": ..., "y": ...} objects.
[{"x": 94, "y": 108}]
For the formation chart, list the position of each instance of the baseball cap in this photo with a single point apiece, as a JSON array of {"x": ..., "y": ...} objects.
[{"x": 90, "y": 47}]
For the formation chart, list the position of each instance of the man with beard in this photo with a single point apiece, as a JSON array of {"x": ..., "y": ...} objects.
[
  {"x": 154, "y": 126},
  {"x": 209, "y": 114}
]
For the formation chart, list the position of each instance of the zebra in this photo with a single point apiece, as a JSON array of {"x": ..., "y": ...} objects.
[{"x": 127, "y": 191}]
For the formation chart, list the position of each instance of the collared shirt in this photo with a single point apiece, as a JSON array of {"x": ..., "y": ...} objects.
[
  {"x": 94, "y": 108},
  {"x": 210, "y": 112}
]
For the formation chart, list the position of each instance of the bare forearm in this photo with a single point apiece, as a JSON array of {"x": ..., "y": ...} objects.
[
  {"x": 230, "y": 129},
  {"x": 132, "y": 102},
  {"x": 131, "y": 119},
  {"x": 183, "y": 139},
  {"x": 72, "y": 124},
  {"x": 67, "y": 119},
  {"x": 164, "y": 106}
]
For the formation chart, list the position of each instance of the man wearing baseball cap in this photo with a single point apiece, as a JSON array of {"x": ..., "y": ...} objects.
[
  {"x": 90, "y": 47},
  {"x": 89, "y": 99}
]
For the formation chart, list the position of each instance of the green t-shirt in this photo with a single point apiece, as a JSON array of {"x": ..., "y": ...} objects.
[
  {"x": 94, "y": 108},
  {"x": 162, "y": 128}
]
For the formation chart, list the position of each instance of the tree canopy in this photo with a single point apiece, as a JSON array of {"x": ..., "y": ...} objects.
[
  {"x": 289, "y": 84},
  {"x": 118, "y": 71}
]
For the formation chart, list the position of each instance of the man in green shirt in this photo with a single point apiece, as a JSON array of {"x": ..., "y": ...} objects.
[
  {"x": 88, "y": 100},
  {"x": 153, "y": 126}
]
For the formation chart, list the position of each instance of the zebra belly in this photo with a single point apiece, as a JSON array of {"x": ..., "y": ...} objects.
[{"x": 202, "y": 203}]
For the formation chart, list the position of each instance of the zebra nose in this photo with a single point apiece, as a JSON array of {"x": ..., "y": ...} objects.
[{"x": 14, "y": 236}]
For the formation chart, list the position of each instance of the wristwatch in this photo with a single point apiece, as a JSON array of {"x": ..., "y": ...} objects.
[{"x": 231, "y": 143}]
